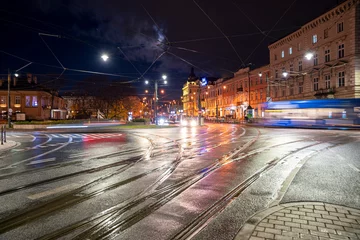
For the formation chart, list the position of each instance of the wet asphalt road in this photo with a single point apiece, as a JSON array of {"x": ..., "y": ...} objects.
[{"x": 169, "y": 183}]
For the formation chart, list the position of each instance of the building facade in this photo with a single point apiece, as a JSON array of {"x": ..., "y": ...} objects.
[
  {"x": 30, "y": 99},
  {"x": 320, "y": 60}
]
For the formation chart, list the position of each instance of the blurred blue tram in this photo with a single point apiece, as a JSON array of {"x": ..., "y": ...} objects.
[{"x": 319, "y": 112}]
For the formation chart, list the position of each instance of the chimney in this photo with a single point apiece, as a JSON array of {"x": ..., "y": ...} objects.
[{"x": 29, "y": 77}]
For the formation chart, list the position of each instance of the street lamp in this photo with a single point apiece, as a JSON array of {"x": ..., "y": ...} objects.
[
  {"x": 104, "y": 57},
  {"x": 285, "y": 74},
  {"x": 156, "y": 96},
  {"x": 309, "y": 55}
]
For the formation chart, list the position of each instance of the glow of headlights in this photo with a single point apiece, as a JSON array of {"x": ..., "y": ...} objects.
[
  {"x": 184, "y": 123},
  {"x": 193, "y": 123},
  {"x": 161, "y": 121}
]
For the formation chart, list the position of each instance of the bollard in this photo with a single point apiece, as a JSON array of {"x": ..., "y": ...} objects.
[{"x": 4, "y": 133}]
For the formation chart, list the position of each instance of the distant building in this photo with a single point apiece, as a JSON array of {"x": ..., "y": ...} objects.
[
  {"x": 30, "y": 98},
  {"x": 320, "y": 60}
]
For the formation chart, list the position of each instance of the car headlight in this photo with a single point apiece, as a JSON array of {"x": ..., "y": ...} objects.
[
  {"x": 184, "y": 123},
  {"x": 161, "y": 121},
  {"x": 193, "y": 123}
]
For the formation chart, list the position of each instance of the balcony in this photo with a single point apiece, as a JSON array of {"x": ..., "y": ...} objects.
[{"x": 324, "y": 93}]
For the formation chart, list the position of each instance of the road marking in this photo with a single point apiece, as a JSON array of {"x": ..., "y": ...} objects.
[
  {"x": 53, "y": 191},
  {"x": 42, "y": 161},
  {"x": 353, "y": 167}
]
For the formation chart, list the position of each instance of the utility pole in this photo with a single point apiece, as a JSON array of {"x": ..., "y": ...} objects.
[
  {"x": 9, "y": 109},
  {"x": 155, "y": 103},
  {"x": 199, "y": 105}
]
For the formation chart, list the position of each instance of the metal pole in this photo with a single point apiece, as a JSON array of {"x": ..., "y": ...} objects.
[
  {"x": 199, "y": 106},
  {"x": 155, "y": 103},
  {"x": 2, "y": 135},
  {"x": 267, "y": 88},
  {"x": 9, "y": 81}
]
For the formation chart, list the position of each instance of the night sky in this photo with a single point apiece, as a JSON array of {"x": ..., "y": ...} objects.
[{"x": 216, "y": 37}]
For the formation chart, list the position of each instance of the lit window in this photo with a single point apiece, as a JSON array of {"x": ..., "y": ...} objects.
[
  {"x": 314, "y": 38},
  {"x": 27, "y": 101},
  {"x": 34, "y": 101},
  {"x": 290, "y": 50},
  {"x": 282, "y": 54},
  {"x": 340, "y": 27},
  {"x": 3, "y": 100}
]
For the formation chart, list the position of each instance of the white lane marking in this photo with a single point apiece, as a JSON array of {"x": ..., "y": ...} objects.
[
  {"x": 77, "y": 136},
  {"x": 53, "y": 191},
  {"x": 42, "y": 161},
  {"x": 77, "y": 155},
  {"x": 40, "y": 155},
  {"x": 353, "y": 167}
]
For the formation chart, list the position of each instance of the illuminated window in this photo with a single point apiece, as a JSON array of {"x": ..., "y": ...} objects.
[
  {"x": 3, "y": 100},
  {"x": 27, "y": 101},
  {"x": 314, "y": 38},
  {"x": 290, "y": 50},
  {"x": 341, "y": 79},
  {"x": 282, "y": 54}
]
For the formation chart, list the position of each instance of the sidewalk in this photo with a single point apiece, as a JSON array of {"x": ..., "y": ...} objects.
[
  {"x": 9, "y": 144},
  {"x": 303, "y": 220}
]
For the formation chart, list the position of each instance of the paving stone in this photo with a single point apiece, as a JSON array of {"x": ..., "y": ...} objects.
[
  {"x": 333, "y": 236},
  {"x": 336, "y": 227},
  {"x": 348, "y": 234},
  {"x": 260, "y": 229},
  {"x": 291, "y": 215},
  {"x": 273, "y": 230},
  {"x": 305, "y": 226},
  {"x": 280, "y": 237},
  {"x": 341, "y": 223},
  {"x": 291, "y": 224},
  {"x": 265, "y": 235},
  {"x": 324, "y": 220},
  {"x": 337, "y": 214},
  {"x": 281, "y": 222},
  {"x": 281, "y": 227},
  {"x": 317, "y": 233}
]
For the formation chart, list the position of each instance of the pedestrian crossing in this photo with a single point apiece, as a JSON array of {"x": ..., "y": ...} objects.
[{"x": 74, "y": 136}]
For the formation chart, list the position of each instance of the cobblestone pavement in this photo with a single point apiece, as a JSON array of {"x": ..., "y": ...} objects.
[{"x": 303, "y": 220}]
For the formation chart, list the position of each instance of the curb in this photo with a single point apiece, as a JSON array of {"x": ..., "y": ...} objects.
[
  {"x": 308, "y": 220},
  {"x": 9, "y": 144}
]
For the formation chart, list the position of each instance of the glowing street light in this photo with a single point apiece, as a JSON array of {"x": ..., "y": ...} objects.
[
  {"x": 309, "y": 56},
  {"x": 260, "y": 74},
  {"x": 146, "y": 82},
  {"x": 105, "y": 57},
  {"x": 16, "y": 75},
  {"x": 285, "y": 74}
]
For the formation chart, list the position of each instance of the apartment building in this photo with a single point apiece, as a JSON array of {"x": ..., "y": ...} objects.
[
  {"x": 321, "y": 59},
  {"x": 29, "y": 98}
]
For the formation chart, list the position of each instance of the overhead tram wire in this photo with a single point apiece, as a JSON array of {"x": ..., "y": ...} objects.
[
  {"x": 230, "y": 36},
  {"x": 68, "y": 69},
  {"x": 270, "y": 31},
  {"x": 221, "y": 33},
  {"x": 187, "y": 62}
]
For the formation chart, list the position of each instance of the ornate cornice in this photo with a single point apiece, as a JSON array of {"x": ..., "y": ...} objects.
[{"x": 339, "y": 10}]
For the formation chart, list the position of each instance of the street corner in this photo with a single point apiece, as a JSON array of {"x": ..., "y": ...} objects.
[
  {"x": 8, "y": 145},
  {"x": 308, "y": 220}
]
